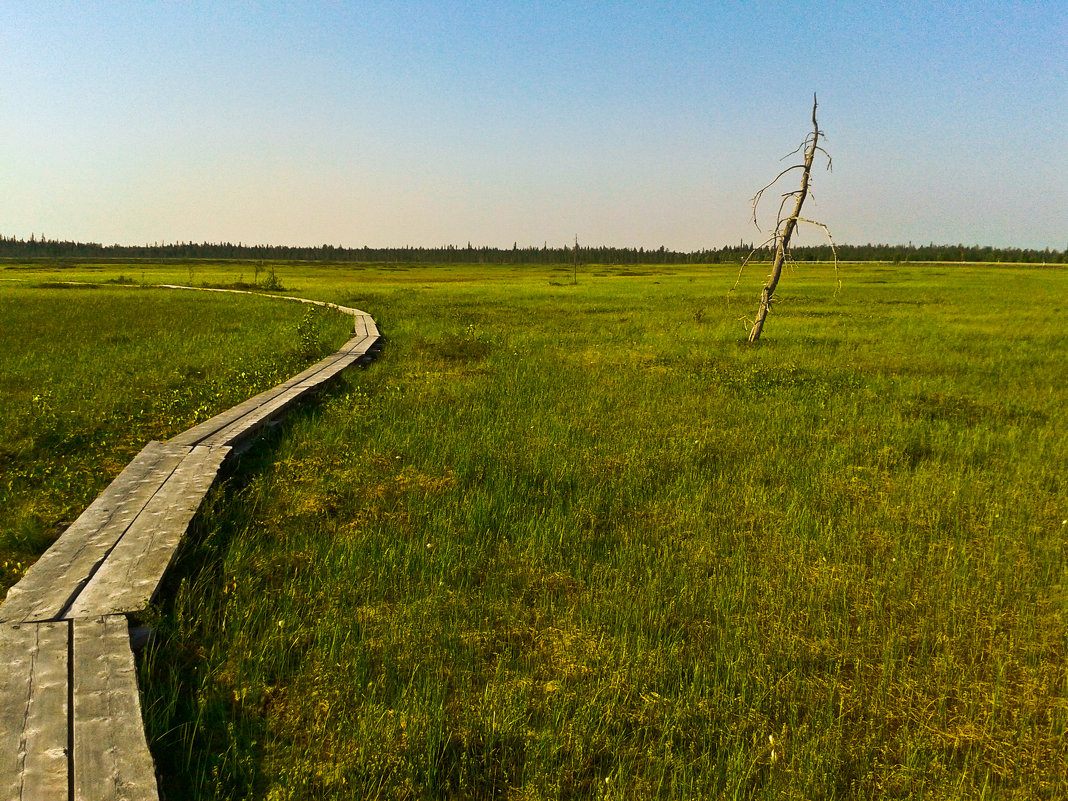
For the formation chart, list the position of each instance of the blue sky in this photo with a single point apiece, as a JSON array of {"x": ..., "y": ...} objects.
[{"x": 631, "y": 124}]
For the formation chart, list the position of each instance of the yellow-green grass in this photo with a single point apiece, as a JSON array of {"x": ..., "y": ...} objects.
[{"x": 582, "y": 542}]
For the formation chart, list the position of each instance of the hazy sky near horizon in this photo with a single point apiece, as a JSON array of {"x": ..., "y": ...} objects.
[{"x": 629, "y": 124}]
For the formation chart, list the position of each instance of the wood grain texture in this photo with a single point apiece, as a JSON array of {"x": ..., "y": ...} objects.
[
  {"x": 111, "y": 757},
  {"x": 33, "y": 711},
  {"x": 54, "y": 579},
  {"x": 129, "y": 577}
]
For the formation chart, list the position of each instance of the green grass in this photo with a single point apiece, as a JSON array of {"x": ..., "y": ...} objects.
[{"x": 582, "y": 542}]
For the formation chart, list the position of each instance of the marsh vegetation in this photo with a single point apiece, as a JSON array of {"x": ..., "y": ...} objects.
[{"x": 582, "y": 542}]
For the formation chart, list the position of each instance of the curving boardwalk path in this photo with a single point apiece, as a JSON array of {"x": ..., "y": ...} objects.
[{"x": 70, "y": 711}]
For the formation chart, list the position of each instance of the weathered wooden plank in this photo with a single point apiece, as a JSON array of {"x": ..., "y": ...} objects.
[
  {"x": 368, "y": 324},
  {"x": 51, "y": 582},
  {"x": 359, "y": 325},
  {"x": 212, "y": 431},
  {"x": 358, "y": 345},
  {"x": 33, "y": 711},
  {"x": 202, "y": 432},
  {"x": 354, "y": 342},
  {"x": 131, "y": 574},
  {"x": 113, "y": 558},
  {"x": 293, "y": 390},
  {"x": 111, "y": 757}
]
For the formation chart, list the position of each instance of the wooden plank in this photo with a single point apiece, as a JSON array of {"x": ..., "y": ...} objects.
[
  {"x": 208, "y": 430},
  {"x": 50, "y": 583},
  {"x": 111, "y": 756},
  {"x": 359, "y": 325},
  {"x": 231, "y": 427},
  {"x": 112, "y": 559},
  {"x": 294, "y": 390},
  {"x": 369, "y": 327},
  {"x": 372, "y": 344},
  {"x": 33, "y": 711},
  {"x": 131, "y": 574},
  {"x": 358, "y": 345}
]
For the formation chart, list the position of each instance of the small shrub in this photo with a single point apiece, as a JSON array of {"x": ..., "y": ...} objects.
[
  {"x": 272, "y": 283},
  {"x": 309, "y": 334}
]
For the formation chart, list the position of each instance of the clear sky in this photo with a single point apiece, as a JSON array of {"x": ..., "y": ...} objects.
[{"x": 624, "y": 123}]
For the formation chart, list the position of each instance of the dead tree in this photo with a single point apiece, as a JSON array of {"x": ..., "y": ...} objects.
[
  {"x": 785, "y": 226},
  {"x": 574, "y": 264}
]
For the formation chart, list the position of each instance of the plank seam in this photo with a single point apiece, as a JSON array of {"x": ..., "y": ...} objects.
[
  {"x": 34, "y": 653},
  {"x": 73, "y": 599},
  {"x": 70, "y": 709},
  {"x": 113, "y": 510}
]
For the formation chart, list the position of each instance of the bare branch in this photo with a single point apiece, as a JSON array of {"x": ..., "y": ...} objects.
[
  {"x": 755, "y": 202},
  {"x": 778, "y": 215},
  {"x": 777, "y": 177},
  {"x": 834, "y": 251},
  {"x": 745, "y": 262}
]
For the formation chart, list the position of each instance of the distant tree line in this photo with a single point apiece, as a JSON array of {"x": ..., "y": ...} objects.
[
  {"x": 931, "y": 252},
  {"x": 34, "y": 248}
]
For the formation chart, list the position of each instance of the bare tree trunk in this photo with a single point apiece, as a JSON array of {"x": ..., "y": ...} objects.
[
  {"x": 574, "y": 263},
  {"x": 784, "y": 235}
]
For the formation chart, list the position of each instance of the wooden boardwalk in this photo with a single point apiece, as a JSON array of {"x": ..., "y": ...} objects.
[{"x": 70, "y": 710}]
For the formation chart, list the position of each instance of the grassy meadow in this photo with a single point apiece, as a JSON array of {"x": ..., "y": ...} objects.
[{"x": 582, "y": 542}]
